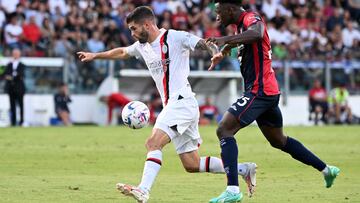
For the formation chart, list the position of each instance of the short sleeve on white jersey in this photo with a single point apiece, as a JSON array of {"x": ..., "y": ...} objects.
[
  {"x": 133, "y": 51},
  {"x": 188, "y": 40}
]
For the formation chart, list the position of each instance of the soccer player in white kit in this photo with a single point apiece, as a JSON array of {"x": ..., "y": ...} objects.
[{"x": 166, "y": 54}]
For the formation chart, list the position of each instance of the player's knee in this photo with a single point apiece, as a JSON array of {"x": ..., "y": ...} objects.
[
  {"x": 278, "y": 143},
  {"x": 221, "y": 131},
  {"x": 151, "y": 144}
]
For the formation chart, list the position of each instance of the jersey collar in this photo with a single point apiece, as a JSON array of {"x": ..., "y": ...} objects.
[
  {"x": 162, "y": 31},
  {"x": 241, "y": 18}
]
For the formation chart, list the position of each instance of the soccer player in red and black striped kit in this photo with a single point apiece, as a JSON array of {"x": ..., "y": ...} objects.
[{"x": 260, "y": 99}]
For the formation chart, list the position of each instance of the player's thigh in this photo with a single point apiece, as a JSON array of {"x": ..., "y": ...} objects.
[
  {"x": 179, "y": 120},
  {"x": 188, "y": 141},
  {"x": 190, "y": 161},
  {"x": 187, "y": 145},
  {"x": 272, "y": 117},
  {"x": 179, "y": 115},
  {"x": 158, "y": 139},
  {"x": 241, "y": 113},
  {"x": 270, "y": 124}
]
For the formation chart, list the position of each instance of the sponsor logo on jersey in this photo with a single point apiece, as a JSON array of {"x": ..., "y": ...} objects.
[{"x": 159, "y": 66}]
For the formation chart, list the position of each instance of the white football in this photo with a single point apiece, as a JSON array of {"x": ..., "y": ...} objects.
[{"x": 135, "y": 115}]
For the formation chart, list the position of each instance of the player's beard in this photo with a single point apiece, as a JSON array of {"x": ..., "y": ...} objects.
[{"x": 144, "y": 36}]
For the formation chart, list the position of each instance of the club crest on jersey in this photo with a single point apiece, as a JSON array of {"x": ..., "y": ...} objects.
[{"x": 164, "y": 49}]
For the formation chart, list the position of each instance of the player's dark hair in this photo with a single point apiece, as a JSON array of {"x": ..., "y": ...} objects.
[
  {"x": 139, "y": 14},
  {"x": 236, "y": 2}
]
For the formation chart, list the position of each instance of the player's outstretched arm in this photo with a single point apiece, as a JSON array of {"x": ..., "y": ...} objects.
[
  {"x": 254, "y": 33},
  {"x": 117, "y": 53}
]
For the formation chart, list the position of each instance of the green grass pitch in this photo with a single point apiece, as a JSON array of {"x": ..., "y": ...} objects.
[{"x": 83, "y": 164}]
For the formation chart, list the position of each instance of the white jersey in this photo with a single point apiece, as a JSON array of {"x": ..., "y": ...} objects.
[{"x": 167, "y": 59}]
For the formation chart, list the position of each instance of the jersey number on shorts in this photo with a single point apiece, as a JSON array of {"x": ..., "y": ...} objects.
[{"x": 243, "y": 101}]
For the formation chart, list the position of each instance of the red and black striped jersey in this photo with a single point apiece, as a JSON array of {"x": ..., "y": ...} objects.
[{"x": 255, "y": 58}]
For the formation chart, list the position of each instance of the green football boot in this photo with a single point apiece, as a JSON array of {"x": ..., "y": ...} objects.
[
  {"x": 227, "y": 197},
  {"x": 330, "y": 177}
]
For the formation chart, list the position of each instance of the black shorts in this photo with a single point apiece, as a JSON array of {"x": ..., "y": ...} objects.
[
  {"x": 59, "y": 110},
  {"x": 264, "y": 109},
  {"x": 324, "y": 106}
]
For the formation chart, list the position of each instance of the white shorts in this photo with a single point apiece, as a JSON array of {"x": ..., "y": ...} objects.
[{"x": 179, "y": 119}]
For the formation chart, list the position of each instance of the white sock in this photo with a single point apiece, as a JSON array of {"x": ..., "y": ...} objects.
[
  {"x": 242, "y": 169},
  {"x": 215, "y": 165},
  {"x": 325, "y": 171},
  {"x": 151, "y": 169},
  {"x": 233, "y": 189},
  {"x": 211, "y": 165}
]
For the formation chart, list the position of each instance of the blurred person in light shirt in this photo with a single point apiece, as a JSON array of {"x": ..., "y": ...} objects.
[{"x": 339, "y": 102}]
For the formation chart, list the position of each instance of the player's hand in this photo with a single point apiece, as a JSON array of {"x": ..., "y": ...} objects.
[
  {"x": 219, "y": 41},
  {"x": 226, "y": 50},
  {"x": 85, "y": 56},
  {"x": 213, "y": 48},
  {"x": 215, "y": 60}
]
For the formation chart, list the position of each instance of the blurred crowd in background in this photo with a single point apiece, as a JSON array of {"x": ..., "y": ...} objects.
[{"x": 326, "y": 30}]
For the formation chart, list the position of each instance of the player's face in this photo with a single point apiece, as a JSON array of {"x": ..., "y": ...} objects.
[
  {"x": 222, "y": 14},
  {"x": 139, "y": 32}
]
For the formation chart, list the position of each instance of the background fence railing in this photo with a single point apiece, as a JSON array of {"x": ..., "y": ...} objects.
[{"x": 295, "y": 77}]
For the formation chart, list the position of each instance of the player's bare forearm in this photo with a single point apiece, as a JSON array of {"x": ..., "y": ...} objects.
[
  {"x": 253, "y": 34},
  {"x": 211, "y": 48},
  {"x": 117, "y": 53}
]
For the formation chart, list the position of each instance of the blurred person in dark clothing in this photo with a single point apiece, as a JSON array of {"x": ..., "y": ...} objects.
[
  {"x": 278, "y": 20},
  {"x": 15, "y": 86},
  {"x": 354, "y": 8},
  {"x": 335, "y": 19},
  {"x": 61, "y": 99}
]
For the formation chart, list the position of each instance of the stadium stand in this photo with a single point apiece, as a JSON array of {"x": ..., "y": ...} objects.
[
  {"x": 315, "y": 30},
  {"x": 315, "y": 39}
]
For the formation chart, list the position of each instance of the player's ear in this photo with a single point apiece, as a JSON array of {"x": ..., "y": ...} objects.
[{"x": 146, "y": 25}]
